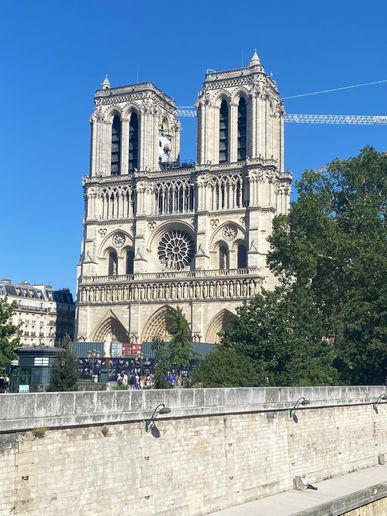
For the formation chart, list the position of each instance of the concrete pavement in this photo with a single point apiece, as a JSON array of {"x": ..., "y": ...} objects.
[{"x": 357, "y": 485}]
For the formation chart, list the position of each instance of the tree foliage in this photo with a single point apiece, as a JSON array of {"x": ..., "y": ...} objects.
[
  {"x": 64, "y": 371},
  {"x": 281, "y": 335},
  {"x": 333, "y": 244},
  {"x": 224, "y": 367},
  {"x": 162, "y": 364},
  {"x": 9, "y": 334},
  {"x": 179, "y": 347}
]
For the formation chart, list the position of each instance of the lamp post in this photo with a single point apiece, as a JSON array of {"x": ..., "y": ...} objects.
[
  {"x": 301, "y": 401},
  {"x": 160, "y": 409}
]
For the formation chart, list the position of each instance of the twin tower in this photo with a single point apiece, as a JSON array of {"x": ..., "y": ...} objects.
[{"x": 159, "y": 234}]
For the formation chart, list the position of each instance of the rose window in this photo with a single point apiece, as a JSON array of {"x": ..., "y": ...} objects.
[
  {"x": 119, "y": 239},
  {"x": 176, "y": 249}
]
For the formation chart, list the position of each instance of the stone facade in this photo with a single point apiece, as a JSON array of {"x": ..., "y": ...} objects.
[
  {"x": 158, "y": 234},
  {"x": 216, "y": 448},
  {"x": 45, "y": 315}
]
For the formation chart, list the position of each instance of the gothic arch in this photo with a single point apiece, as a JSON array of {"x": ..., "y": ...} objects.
[
  {"x": 110, "y": 328},
  {"x": 111, "y": 112},
  {"x": 157, "y": 325},
  {"x": 107, "y": 245},
  {"x": 238, "y": 94},
  {"x": 220, "y": 96},
  {"x": 218, "y": 324},
  {"x": 128, "y": 110},
  {"x": 219, "y": 231}
]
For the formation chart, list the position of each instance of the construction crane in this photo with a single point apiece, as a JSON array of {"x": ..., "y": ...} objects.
[{"x": 296, "y": 118}]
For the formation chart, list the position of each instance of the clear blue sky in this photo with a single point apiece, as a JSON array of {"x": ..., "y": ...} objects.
[{"x": 54, "y": 55}]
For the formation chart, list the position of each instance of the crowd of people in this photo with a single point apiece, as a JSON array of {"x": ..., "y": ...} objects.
[{"x": 136, "y": 380}]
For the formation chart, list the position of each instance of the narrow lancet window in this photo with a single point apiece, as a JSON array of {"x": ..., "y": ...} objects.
[
  {"x": 129, "y": 262},
  {"x": 223, "y": 132},
  {"x": 242, "y": 256},
  {"x": 113, "y": 263},
  {"x": 242, "y": 128},
  {"x": 223, "y": 257},
  {"x": 133, "y": 142},
  {"x": 116, "y": 147}
]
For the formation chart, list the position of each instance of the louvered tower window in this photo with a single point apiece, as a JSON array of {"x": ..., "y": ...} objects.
[
  {"x": 133, "y": 142},
  {"x": 242, "y": 127},
  {"x": 116, "y": 147},
  {"x": 223, "y": 132}
]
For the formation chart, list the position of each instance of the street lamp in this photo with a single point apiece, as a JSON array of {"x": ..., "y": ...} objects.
[
  {"x": 160, "y": 409},
  {"x": 381, "y": 398},
  {"x": 301, "y": 401}
]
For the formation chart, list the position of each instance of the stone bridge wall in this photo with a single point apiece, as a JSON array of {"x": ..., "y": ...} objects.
[{"x": 217, "y": 447}]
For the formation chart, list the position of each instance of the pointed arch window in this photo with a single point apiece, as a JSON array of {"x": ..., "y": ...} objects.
[
  {"x": 133, "y": 142},
  {"x": 242, "y": 256},
  {"x": 129, "y": 262},
  {"x": 116, "y": 147},
  {"x": 113, "y": 263},
  {"x": 223, "y": 257},
  {"x": 242, "y": 129},
  {"x": 223, "y": 132}
]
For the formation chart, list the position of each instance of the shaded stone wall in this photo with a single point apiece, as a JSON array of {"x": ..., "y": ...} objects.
[{"x": 217, "y": 447}]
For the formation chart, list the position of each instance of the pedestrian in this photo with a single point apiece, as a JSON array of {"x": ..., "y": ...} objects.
[
  {"x": 132, "y": 381},
  {"x": 171, "y": 378},
  {"x": 125, "y": 379},
  {"x": 137, "y": 381},
  {"x": 119, "y": 379}
]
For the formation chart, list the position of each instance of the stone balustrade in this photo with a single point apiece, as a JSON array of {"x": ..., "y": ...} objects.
[{"x": 195, "y": 289}]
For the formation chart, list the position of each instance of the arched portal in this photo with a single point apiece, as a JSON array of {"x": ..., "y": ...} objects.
[
  {"x": 111, "y": 328},
  {"x": 158, "y": 325},
  {"x": 218, "y": 324}
]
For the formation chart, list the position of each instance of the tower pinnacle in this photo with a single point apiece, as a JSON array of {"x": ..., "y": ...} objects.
[
  {"x": 254, "y": 61},
  {"x": 106, "y": 83}
]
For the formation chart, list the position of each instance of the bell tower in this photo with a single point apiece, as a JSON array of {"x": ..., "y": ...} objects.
[
  {"x": 240, "y": 116},
  {"x": 134, "y": 128}
]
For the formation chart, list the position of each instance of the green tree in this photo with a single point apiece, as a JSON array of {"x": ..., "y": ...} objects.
[
  {"x": 333, "y": 243},
  {"x": 64, "y": 371},
  {"x": 161, "y": 364},
  {"x": 280, "y": 333},
  {"x": 224, "y": 367},
  {"x": 9, "y": 334},
  {"x": 180, "y": 346}
]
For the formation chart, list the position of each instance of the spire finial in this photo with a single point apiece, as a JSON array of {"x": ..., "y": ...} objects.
[
  {"x": 106, "y": 83},
  {"x": 254, "y": 61}
]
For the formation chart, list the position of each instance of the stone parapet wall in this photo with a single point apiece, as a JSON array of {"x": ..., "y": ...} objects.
[{"x": 216, "y": 448}]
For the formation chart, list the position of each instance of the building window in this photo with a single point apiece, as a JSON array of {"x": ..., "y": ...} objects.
[
  {"x": 129, "y": 262},
  {"x": 242, "y": 128},
  {"x": 242, "y": 256},
  {"x": 223, "y": 257},
  {"x": 113, "y": 263},
  {"x": 223, "y": 132},
  {"x": 116, "y": 147},
  {"x": 133, "y": 143}
]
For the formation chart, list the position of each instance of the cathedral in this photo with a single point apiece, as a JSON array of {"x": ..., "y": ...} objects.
[{"x": 160, "y": 234}]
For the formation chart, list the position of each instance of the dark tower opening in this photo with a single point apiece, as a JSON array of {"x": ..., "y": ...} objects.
[
  {"x": 133, "y": 142},
  {"x": 242, "y": 256},
  {"x": 116, "y": 147},
  {"x": 242, "y": 130},
  {"x": 223, "y": 132}
]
